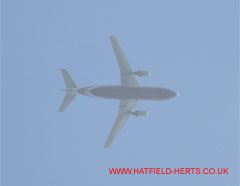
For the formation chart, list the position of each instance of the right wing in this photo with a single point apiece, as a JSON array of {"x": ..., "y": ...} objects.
[
  {"x": 125, "y": 109},
  {"x": 127, "y": 77}
]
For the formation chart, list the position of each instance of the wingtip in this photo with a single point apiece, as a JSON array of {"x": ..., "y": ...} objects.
[
  {"x": 63, "y": 70},
  {"x": 112, "y": 37},
  {"x": 107, "y": 145},
  {"x": 60, "y": 110}
]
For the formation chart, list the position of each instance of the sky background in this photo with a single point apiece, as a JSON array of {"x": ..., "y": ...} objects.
[{"x": 188, "y": 46}]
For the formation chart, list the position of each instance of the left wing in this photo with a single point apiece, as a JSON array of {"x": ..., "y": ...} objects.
[
  {"x": 125, "y": 109},
  {"x": 127, "y": 76}
]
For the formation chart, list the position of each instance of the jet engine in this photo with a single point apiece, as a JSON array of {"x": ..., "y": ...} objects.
[
  {"x": 140, "y": 113},
  {"x": 142, "y": 73}
]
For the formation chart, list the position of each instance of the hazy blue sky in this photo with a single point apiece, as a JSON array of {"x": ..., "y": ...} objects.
[{"x": 188, "y": 46}]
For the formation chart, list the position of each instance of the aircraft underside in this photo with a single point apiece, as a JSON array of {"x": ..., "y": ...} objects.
[
  {"x": 129, "y": 93},
  {"x": 122, "y": 92}
]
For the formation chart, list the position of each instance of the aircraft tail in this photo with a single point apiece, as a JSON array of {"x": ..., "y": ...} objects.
[{"x": 71, "y": 90}]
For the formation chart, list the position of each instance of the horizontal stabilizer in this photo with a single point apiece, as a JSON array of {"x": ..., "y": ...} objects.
[
  {"x": 71, "y": 90},
  {"x": 66, "y": 101},
  {"x": 68, "y": 80}
]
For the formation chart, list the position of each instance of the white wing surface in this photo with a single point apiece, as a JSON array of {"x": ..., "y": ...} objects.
[
  {"x": 125, "y": 109},
  {"x": 127, "y": 77}
]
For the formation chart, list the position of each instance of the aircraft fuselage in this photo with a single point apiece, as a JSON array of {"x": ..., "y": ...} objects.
[{"x": 123, "y": 92}]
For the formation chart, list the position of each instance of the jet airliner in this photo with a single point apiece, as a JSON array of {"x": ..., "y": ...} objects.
[{"x": 129, "y": 92}]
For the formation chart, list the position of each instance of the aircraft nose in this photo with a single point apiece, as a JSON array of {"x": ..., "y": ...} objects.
[{"x": 174, "y": 94}]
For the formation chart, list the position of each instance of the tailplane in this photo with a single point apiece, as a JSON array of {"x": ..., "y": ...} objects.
[{"x": 71, "y": 90}]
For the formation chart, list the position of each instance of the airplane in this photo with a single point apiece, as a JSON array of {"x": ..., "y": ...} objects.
[{"x": 129, "y": 92}]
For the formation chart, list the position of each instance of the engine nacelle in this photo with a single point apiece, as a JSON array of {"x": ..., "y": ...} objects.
[
  {"x": 142, "y": 73},
  {"x": 140, "y": 113}
]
